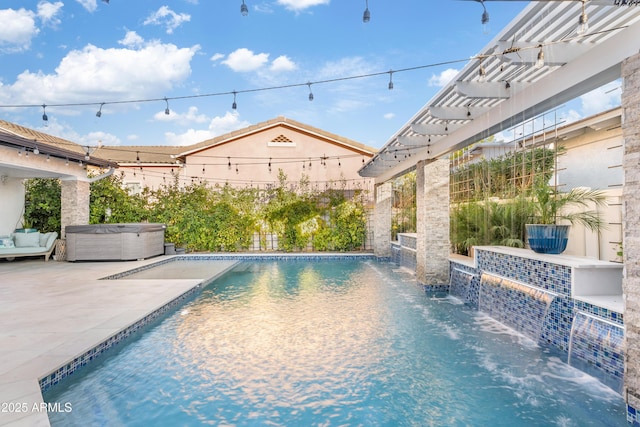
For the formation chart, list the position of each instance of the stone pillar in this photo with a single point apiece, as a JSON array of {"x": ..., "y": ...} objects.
[
  {"x": 75, "y": 204},
  {"x": 382, "y": 220},
  {"x": 631, "y": 233},
  {"x": 432, "y": 226}
]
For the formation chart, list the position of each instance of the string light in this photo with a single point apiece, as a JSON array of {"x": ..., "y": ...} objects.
[
  {"x": 244, "y": 10},
  {"x": 390, "y": 79},
  {"x": 484, "y": 20},
  {"x": 99, "y": 113},
  {"x": 583, "y": 21},
  {"x": 540, "y": 59},
  {"x": 166, "y": 110},
  {"x": 45, "y": 118},
  {"x": 234, "y": 106},
  {"x": 366, "y": 16},
  {"x": 310, "y": 93}
]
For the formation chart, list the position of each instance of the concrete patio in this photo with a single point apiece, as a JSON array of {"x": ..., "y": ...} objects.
[{"x": 52, "y": 312}]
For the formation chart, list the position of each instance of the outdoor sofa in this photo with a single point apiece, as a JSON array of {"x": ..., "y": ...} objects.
[{"x": 21, "y": 244}]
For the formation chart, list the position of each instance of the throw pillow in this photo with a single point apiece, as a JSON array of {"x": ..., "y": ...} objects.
[{"x": 27, "y": 240}]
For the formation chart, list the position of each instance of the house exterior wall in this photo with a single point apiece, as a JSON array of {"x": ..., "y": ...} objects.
[
  {"x": 12, "y": 195},
  {"x": 322, "y": 161}
]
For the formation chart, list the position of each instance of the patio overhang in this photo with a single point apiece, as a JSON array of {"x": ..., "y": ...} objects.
[
  {"x": 503, "y": 86},
  {"x": 26, "y": 158}
]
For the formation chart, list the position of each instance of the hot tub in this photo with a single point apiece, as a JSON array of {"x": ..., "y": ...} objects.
[{"x": 114, "y": 242}]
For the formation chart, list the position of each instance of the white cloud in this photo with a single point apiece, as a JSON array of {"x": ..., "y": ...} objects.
[
  {"x": 48, "y": 12},
  {"x": 133, "y": 137},
  {"x": 601, "y": 99},
  {"x": 216, "y": 56},
  {"x": 17, "y": 29},
  {"x": 217, "y": 126},
  {"x": 93, "y": 139},
  {"x": 443, "y": 78},
  {"x": 389, "y": 116},
  {"x": 167, "y": 18},
  {"x": 105, "y": 74},
  {"x": 298, "y": 5},
  {"x": 131, "y": 39},
  {"x": 191, "y": 116},
  {"x": 244, "y": 60},
  {"x": 90, "y": 5},
  {"x": 351, "y": 66},
  {"x": 283, "y": 63}
]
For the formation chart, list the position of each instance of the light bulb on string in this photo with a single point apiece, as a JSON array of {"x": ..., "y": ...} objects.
[{"x": 310, "y": 93}]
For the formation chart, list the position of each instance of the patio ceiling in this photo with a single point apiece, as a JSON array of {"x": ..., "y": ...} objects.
[{"x": 512, "y": 88}]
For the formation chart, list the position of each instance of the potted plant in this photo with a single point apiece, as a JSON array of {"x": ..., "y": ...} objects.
[{"x": 548, "y": 206}]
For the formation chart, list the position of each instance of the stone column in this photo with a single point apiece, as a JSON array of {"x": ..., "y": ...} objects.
[
  {"x": 75, "y": 204},
  {"x": 382, "y": 220},
  {"x": 631, "y": 232},
  {"x": 432, "y": 226}
]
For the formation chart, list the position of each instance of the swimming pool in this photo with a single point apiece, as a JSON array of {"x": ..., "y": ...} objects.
[{"x": 331, "y": 343}]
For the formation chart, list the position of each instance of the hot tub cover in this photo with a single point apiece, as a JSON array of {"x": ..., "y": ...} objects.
[{"x": 142, "y": 227}]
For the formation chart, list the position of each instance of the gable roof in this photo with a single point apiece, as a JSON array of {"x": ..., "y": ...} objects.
[
  {"x": 167, "y": 155},
  {"x": 273, "y": 123}
]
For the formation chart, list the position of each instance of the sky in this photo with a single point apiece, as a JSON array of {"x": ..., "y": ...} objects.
[{"x": 132, "y": 59}]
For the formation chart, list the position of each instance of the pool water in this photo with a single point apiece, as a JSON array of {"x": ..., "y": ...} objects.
[{"x": 331, "y": 344}]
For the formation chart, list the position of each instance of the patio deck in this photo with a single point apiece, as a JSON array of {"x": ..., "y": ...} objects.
[{"x": 52, "y": 312}]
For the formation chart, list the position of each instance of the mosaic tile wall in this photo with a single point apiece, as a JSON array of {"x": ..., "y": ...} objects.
[
  {"x": 605, "y": 357},
  {"x": 404, "y": 256},
  {"x": 465, "y": 283},
  {"x": 514, "y": 304},
  {"x": 592, "y": 338}
]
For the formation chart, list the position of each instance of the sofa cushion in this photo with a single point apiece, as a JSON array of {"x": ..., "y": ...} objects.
[
  {"x": 27, "y": 240},
  {"x": 6, "y": 242},
  {"x": 51, "y": 239}
]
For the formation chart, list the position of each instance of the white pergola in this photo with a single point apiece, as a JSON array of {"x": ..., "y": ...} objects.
[{"x": 505, "y": 84}]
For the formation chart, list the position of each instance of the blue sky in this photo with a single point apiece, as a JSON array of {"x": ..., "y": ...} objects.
[{"x": 93, "y": 52}]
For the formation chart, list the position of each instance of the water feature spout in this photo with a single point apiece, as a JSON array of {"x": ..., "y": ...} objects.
[
  {"x": 598, "y": 343},
  {"x": 517, "y": 305}
]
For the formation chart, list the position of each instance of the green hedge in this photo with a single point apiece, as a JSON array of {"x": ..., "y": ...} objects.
[{"x": 222, "y": 218}]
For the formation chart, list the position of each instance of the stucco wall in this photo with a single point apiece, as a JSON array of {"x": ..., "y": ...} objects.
[
  {"x": 297, "y": 153},
  {"x": 12, "y": 196}
]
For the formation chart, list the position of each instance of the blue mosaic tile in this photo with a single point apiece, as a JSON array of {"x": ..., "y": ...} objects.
[
  {"x": 610, "y": 315},
  {"x": 515, "y": 304},
  {"x": 403, "y": 256},
  {"x": 599, "y": 343},
  {"x": 463, "y": 284},
  {"x": 554, "y": 278}
]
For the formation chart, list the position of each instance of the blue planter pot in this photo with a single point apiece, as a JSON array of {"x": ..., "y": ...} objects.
[{"x": 547, "y": 238}]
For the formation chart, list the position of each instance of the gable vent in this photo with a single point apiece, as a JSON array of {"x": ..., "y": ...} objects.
[
  {"x": 282, "y": 138},
  {"x": 281, "y": 141}
]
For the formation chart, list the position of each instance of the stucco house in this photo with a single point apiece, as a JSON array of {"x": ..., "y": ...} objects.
[{"x": 248, "y": 157}]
